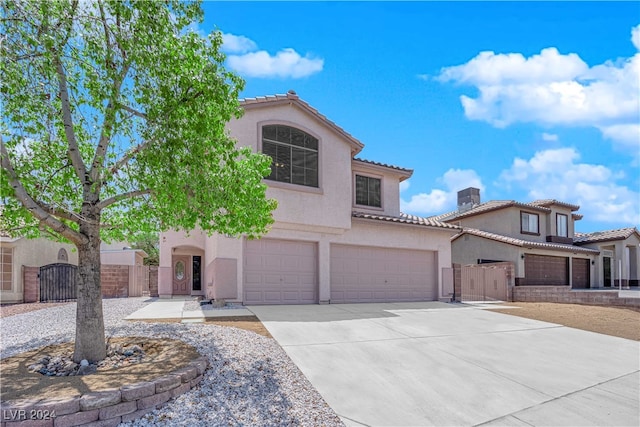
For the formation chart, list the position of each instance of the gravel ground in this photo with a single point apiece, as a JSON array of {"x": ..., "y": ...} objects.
[{"x": 251, "y": 380}]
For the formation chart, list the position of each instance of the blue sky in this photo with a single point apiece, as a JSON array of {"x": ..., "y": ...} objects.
[{"x": 523, "y": 100}]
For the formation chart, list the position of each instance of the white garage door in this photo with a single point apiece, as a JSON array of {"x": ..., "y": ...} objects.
[
  {"x": 367, "y": 274},
  {"x": 280, "y": 272}
]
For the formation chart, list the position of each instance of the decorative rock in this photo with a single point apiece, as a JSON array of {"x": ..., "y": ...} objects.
[{"x": 84, "y": 362}]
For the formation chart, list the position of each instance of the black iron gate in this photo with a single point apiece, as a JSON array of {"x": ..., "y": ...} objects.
[{"x": 58, "y": 282}]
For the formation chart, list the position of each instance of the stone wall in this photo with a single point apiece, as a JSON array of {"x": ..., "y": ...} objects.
[
  {"x": 104, "y": 408},
  {"x": 564, "y": 294},
  {"x": 153, "y": 280},
  {"x": 114, "y": 278},
  {"x": 31, "y": 284},
  {"x": 115, "y": 281}
]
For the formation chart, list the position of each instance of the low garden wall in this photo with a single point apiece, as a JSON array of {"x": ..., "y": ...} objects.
[
  {"x": 104, "y": 408},
  {"x": 564, "y": 294}
]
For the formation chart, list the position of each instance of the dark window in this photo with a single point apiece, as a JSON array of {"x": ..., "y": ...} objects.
[
  {"x": 529, "y": 223},
  {"x": 294, "y": 155},
  {"x": 197, "y": 278},
  {"x": 561, "y": 225},
  {"x": 368, "y": 191}
]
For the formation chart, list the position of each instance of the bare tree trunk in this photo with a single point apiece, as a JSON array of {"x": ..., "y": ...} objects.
[{"x": 90, "y": 338}]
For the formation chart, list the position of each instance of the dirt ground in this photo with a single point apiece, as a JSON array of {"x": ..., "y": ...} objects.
[
  {"x": 161, "y": 357},
  {"x": 616, "y": 321},
  {"x": 165, "y": 355}
]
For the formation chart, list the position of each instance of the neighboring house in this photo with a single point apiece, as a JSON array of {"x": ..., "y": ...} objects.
[
  {"x": 537, "y": 237},
  {"x": 121, "y": 253},
  {"x": 20, "y": 252},
  {"x": 338, "y": 236},
  {"x": 619, "y": 262}
]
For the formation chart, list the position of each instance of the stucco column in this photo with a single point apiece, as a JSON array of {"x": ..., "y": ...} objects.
[{"x": 324, "y": 271}]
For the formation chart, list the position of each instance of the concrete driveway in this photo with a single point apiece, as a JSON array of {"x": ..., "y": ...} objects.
[{"x": 437, "y": 364}]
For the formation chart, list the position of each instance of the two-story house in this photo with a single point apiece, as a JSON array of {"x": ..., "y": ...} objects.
[
  {"x": 537, "y": 237},
  {"x": 338, "y": 236}
]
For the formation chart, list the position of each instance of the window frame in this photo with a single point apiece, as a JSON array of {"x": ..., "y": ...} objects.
[
  {"x": 566, "y": 225},
  {"x": 290, "y": 184},
  {"x": 6, "y": 251},
  {"x": 355, "y": 190},
  {"x": 522, "y": 230}
]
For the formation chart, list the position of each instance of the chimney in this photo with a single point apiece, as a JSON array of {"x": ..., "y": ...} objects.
[{"x": 468, "y": 199}]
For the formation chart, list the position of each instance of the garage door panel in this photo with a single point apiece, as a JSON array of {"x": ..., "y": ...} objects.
[
  {"x": 280, "y": 272},
  {"x": 382, "y": 274},
  {"x": 546, "y": 270}
]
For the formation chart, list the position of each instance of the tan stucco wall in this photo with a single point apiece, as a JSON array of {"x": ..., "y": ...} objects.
[
  {"x": 32, "y": 253},
  {"x": 506, "y": 222},
  {"x": 297, "y": 204},
  {"x": 390, "y": 189}
]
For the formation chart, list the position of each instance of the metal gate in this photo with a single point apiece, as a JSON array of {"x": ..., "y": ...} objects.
[
  {"x": 58, "y": 282},
  {"x": 484, "y": 284}
]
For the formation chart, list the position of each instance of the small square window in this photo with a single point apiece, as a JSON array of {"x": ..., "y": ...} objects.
[
  {"x": 529, "y": 223},
  {"x": 368, "y": 191}
]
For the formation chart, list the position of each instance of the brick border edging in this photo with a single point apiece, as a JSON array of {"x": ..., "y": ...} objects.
[{"x": 107, "y": 407}]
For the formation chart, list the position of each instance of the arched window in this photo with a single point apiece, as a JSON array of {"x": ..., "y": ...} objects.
[
  {"x": 294, "y": 155},
  {"x": 62, "y": 255}
]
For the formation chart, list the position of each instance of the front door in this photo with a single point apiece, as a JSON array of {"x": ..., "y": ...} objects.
[{"x": 181, "y": 275}]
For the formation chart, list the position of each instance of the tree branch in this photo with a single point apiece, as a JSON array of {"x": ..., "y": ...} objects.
[
  {"x": 133, "y": 111},
  {"x": 74, "y": 150},
  {"x": 126, "y": 158},
  {"x": 115, "y": 199},
  {"x": 30, "y": 204},
  {"x": 109, "y": 115}
]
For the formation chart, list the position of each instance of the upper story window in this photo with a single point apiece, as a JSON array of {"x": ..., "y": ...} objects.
[
  {"x": 562, "y": 222},
  {"x": 294, "y": 155},
  {"x": 529, "y": 223},
  {"x": 368, "y": 191}
]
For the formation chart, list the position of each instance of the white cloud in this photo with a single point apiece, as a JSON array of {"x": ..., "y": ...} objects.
[
  {"x": 549, "y": 136},
  {"x": 286, "y": 63},
  {"x": 551, "y": 88},
  {"x": 624, "y": 134},
  {"x": 635, "y": 36},
  {"x": 245, "y": 58},
  {"x": 237, "y": 44},
  {"x": 558, "y": 174},
  {"x": 437, "y": 200}
]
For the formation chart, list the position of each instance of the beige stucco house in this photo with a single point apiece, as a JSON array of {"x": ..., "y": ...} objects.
[
  {"x": 120, "y": 253},
  {"x": 537, "y": 237},
  {"x": 19, "y": 252},
  {"x": 338, "y": 236},
  {"x": 619, "y": 263}
]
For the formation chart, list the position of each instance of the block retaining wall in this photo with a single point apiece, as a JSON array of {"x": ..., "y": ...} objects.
[
  {"x": 564, "y": 294},
  {"x": 104, "y": 408}
]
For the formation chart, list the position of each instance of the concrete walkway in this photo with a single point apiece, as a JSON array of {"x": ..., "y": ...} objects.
[
  {"x": 436, "y": 364},
  {"x": 162, "y": 309}
]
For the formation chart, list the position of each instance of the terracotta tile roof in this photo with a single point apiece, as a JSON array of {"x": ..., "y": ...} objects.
[
  {"x": 405, "y": 219},
  {"x": 489, "y": 206},
  {"x": 604, "y": 236},
  {"x": 291, "y": 96},
  {"x": 548, "y": 202},
  {"x": 524, "y": 243},
  {"x": 384, "y": 165}
]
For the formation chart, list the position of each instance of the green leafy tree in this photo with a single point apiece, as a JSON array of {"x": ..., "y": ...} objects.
[
  {"x": 150, "y": 243},
  {"x": 113, "y": 122}
]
